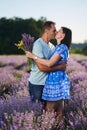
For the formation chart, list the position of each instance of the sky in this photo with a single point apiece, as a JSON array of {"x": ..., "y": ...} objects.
[{"x": 68, "y": 13}]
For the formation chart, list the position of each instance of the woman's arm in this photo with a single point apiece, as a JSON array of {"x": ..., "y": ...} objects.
[{"x": 52, "y": 61}]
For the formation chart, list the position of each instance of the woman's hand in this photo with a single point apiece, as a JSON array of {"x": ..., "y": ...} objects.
[{"x": 29, "y": 55}]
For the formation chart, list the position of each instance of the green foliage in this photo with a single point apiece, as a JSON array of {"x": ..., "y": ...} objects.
[
  {"x": 76, "y": 50},
  {"x": 84, "y": 50},
  {"x": 29, "y": 62},
  {"x": 17, "y": 75},
  {"x": 80, "y": 48},
  {"x": 11, "y": 30}
]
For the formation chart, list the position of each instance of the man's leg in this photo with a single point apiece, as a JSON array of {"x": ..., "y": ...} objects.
[{"x": 35, "y": 92}]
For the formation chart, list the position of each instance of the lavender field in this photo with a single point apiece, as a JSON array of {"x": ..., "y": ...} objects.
[{"x": 18, "y": 113}]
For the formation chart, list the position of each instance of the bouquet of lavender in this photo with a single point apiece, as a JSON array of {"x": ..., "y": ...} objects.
[{"x": 26, "y": 44}]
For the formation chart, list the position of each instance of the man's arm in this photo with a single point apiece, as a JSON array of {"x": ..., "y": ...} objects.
[{"x": 44, "y": 68}]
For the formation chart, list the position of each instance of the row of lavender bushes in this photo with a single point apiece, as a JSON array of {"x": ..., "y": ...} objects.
[{"x": 18, "y": 113}]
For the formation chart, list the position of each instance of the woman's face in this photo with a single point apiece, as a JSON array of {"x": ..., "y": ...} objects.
[{"x": 59, "y": 34}]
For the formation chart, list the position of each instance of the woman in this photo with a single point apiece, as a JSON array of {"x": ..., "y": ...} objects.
[{"x": 57, "y": 84}]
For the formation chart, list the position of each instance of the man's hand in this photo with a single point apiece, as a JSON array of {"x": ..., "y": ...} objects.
[
  {"x": 63, "y": 66},
  {"x": 29, "y": 54}
]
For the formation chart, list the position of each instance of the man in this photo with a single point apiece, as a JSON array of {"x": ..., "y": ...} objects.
[{"x": 42, "y": 49}]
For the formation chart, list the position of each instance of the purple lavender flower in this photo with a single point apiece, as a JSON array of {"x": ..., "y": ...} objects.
[{"x": 28, "y": 41}]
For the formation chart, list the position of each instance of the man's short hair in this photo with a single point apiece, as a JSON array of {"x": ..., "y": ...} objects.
[{"x": 47, "y": 25}]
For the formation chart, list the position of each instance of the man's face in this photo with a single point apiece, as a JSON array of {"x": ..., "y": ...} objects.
[{"x": 52, "y": 32}]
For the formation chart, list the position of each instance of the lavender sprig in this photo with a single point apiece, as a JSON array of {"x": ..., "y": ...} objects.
[
  {"x": 26, "y": 44},
  {"x": 28, "y": 41}
]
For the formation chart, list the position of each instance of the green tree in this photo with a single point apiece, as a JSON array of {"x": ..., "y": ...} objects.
[{"x": 12, "y": 29}]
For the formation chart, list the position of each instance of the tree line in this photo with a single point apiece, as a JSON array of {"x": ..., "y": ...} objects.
[{"x": 11, "y": 31}]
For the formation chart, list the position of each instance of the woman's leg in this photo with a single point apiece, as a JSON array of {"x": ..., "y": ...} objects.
[
  {"x": 50, "y": 106},
  {"x": 59, "y": 107},
  {"x": 56, "y": 106}
]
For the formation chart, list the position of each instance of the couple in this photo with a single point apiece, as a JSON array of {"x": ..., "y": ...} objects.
[{"x": 48, "y": 80}]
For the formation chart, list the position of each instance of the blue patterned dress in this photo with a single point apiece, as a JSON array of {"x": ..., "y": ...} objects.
[{"x": 57, "y": 85}]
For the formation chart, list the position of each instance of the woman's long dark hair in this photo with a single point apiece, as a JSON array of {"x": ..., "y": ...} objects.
[{"x": 68, "y": 36}]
